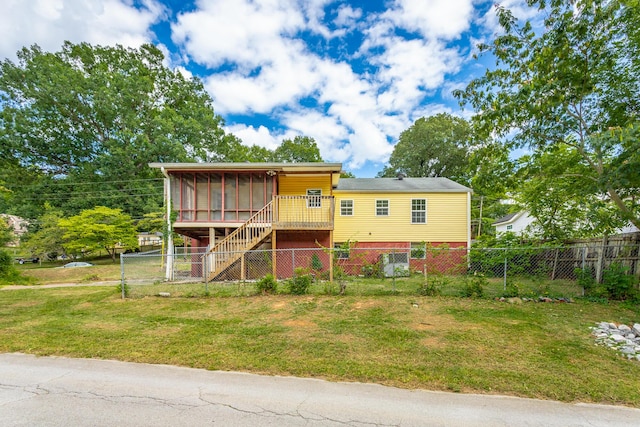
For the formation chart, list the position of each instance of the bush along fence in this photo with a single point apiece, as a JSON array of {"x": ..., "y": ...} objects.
[{"x": 601, "y": 272}]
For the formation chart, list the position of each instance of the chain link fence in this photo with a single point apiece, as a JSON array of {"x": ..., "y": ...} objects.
[{"x": 189, "y": 272}]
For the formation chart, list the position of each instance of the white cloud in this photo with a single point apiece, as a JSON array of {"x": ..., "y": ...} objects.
[
  {"x": 519, "y": 9},
  {"x": 347, "y": 16},
  {"x": 444, "y": 19},
  {"x": 49, "y": 23},
  {"x": 252, "y": 136},
  {"x": 249, "y": 34}
]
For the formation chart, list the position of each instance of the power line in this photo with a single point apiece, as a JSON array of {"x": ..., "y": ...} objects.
[
  {"x": 81, "y": 183},
  {"x": 60, "y": 197}
]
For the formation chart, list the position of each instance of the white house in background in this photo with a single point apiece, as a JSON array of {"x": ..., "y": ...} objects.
[
  {"x": 514, "y": 222},
  {"x": 519, "y": 221}
]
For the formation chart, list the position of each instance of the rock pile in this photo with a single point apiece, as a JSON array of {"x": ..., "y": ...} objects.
[{"x": 622, "y": 338}]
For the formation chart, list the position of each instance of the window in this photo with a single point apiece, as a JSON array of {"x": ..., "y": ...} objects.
[
  {"x": 382, "y": 208},
  {"x": 418, "y": 250},
  {"x": 341, "y": 250},
  {"x": 346, "y": 207},
  {"x": 314, "y": 199},
  {"x": 418, "y": 211},
  {"x": 509, "y": 227}
]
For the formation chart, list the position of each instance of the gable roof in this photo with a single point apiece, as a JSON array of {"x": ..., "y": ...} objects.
[
  {"x": 507, "y": 218},
  {"x": 405, "y": 185}
]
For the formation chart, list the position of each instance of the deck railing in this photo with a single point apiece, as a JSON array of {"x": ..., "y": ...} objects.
[{"x": 303, "y": 212}]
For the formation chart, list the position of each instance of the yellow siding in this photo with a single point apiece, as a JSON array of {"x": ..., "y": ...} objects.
[
  {"x": 297, "y": 185},
  {"x": 447, "y": 218}
]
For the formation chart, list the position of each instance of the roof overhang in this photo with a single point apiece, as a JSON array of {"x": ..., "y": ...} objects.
[{"x": 288, "y": 168}]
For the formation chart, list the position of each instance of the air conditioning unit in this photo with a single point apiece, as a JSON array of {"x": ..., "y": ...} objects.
[{"x": 395, "y": 264}]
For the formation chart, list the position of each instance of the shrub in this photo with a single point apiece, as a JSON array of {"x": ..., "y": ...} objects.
[
  {"x": 512, "y": 290},
  {"x": 433, "y": 285},
  {"x": 300, "y": 282},
  {"x": 316, "y": 264},
  {"x": 474, "y": 286},
  {"x": 267, "y": 285},
  {"x": 126, "y": 292},
  {"x": 620, "y": 285},
  {"x": 6, "y": 264},
  {"x": 372, "y": 270},
  {"x": 585, "y": 279}
]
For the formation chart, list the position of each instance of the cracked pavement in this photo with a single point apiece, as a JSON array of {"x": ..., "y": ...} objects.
[{"x": 56, "y": 391}]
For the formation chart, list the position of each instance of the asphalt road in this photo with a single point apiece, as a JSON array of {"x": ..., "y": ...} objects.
[{"x": 53, "y": 391}]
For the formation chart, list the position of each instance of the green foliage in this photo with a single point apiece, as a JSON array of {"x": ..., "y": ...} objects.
[
  {"x": 512, "y": 290},
  {"x": 267, "y": 285},
  {"x": 553, "y": 189},
  {"x": 6, "y": 234},
  {"x": 124, "y": 289},
  {"x": 586, "y": 279},
  {"x": 300, "y": 282},
  {"x": 521, "y": 256},
  {"x": 6, "y": 263},
  {"x": 45, "y": 239},
  {"x": 372, "y": 269},
  {"x": 316, "y": 264},
  {"x": 433, "y": 285},
  {"x": 99, "y": 228},
  {"x": 419, "y": 253},
  {"x": 301, "y": 149},
  {"x": 87, "y": 120},
  {"x": 474, "y": 286},
  {"x": 620, "y": 285},
  {"x": 432, "y": 146},
  {"x": 568, "y": 77}
]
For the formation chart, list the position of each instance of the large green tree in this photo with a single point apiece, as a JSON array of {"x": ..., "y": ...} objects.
[
  {"x": 99, "y": 228},
  {"x": 570, "y": 77},
  {"x": 299, "y": 150},
  {"x": 6, "y": 233},
  {"x": 433, "y": 146},
  {"x": 84, "y": 122},
  {"x": 45, "y": 235},
  {"x": 553, "y": 189}
]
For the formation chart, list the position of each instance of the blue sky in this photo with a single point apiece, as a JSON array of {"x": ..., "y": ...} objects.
[{"x": 351, "y": 74}]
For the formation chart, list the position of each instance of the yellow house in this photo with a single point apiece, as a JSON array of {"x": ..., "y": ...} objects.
[
  {"x": 228, "y": 209},
  {"x": 407, "y": 215}
]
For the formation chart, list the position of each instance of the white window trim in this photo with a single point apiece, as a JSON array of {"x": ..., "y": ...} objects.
[
  {"x": 387, "y": 208},
  {"x": 426, "y": 204},
  {"x": 317, "y": 201},
  {"x": 351, "y": 207}
]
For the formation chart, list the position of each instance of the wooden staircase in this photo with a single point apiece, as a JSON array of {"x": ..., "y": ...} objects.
[{"x": 243, "y": 239}]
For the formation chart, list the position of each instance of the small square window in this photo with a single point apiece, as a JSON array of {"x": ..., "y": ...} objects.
[
  {"x": 418, "y": 211},
  {"x": 314, "y": 198},
  {"x": 341, "y": 251},
  {"x": 509, "y": 227},
  {"x": 346, "y": 207},
  {"x": 382, "y": 208},
  {"x": 418, "y": 250}
]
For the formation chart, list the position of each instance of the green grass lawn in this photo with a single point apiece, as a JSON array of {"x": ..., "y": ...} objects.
[{"x": 372, "y": 334}]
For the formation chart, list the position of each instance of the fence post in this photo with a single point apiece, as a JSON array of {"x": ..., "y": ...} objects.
[
  {"x": 555, "y": 265},
  {"x": 205, "y": 266},
  {"x": 504, "y": 282},
  {"x": 601, "y": 259},
  {"x": 393, "y": 265},
  {"x": 122, "y": 275}
]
